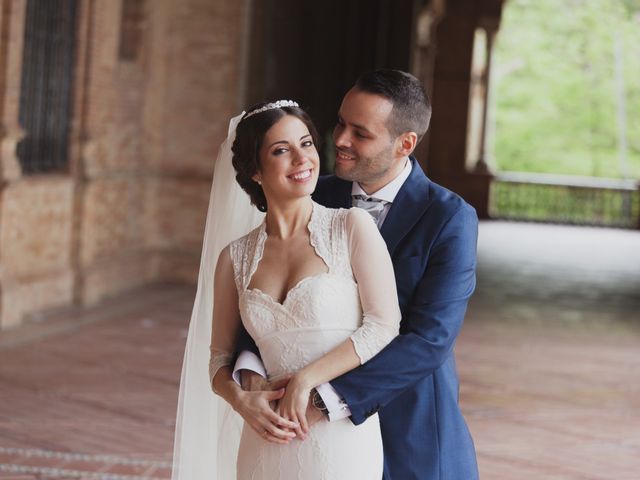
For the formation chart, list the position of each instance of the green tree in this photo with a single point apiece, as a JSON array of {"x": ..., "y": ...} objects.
[{"x": 555, "y": 90}]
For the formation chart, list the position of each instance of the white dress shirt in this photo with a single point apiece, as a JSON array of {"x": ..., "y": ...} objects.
[{"x": 336, "y": 406}]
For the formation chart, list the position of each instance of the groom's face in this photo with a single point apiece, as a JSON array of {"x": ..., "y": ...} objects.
[{"x": 365, "y": 151}]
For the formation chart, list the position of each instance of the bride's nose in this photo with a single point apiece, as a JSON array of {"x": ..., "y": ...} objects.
[{"x": 299, "y": 156}]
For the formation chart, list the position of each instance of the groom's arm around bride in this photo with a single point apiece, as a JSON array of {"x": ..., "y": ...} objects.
[{"x": 431, "y": 235}]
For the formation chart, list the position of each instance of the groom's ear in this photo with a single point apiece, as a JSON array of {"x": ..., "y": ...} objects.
[{"x": 406, "y": 143}]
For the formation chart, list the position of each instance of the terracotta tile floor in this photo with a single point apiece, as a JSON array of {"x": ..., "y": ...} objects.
[{"x": 549, "y": 361}]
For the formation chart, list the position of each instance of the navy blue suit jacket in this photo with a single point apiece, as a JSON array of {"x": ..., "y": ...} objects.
[{"x": 431, "y": 234}]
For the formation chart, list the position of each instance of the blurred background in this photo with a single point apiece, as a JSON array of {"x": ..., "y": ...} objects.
[{"x": 111, "y": 113}]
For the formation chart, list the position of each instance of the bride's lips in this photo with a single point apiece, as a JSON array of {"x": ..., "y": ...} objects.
[{"x": 302, "y": 176}]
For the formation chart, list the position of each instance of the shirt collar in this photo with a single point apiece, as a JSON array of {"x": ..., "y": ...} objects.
[{"x": 390, "y": 190}]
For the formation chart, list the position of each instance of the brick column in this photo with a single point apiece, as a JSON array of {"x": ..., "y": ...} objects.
[{"x": 35, "y": 211}]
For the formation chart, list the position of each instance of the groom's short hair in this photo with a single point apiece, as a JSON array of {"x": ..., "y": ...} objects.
[{"x": 411, "y": 107}]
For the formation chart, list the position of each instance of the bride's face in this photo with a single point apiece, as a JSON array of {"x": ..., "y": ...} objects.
[{"x": 289, "y": 161}]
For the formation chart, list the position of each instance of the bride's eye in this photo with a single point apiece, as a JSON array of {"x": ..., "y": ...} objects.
[
  {"x": 307, "y": 143},
  {"x": 280, "y": 151}
]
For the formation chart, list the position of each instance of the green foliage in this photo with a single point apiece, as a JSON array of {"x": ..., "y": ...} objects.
[{"x": 555, "y": 89}]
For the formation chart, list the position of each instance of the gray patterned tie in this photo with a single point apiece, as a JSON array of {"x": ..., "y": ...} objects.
[{"x": 374, "y": 206}]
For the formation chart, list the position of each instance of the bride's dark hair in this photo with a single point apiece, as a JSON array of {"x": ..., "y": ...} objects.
[{"x": 246, "y": 147}]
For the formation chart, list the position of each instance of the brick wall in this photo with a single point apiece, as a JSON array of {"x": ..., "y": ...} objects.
[
  {"x": 131, "y": 209},
  {"x": 194, "y": 83}
]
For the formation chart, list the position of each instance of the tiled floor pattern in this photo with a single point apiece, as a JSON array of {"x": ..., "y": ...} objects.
[{"x": 107, "y": 387}]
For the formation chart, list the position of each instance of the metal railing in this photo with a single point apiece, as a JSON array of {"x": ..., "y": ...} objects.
[{"x": 565, "y": 199}]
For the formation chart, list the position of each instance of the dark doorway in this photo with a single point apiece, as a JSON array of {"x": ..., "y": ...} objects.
[{"x": 312, "y": 52}]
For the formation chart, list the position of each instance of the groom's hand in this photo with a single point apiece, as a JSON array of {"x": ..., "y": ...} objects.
[
  {"x": 253, "y": 382},
  {"x": 314, "y": 415}
]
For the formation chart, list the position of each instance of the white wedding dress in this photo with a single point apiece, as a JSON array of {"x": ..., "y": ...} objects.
[{"x": 318, "y": 313}]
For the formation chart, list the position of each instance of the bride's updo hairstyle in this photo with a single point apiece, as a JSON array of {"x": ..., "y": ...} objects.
[{"x": 249, "y": 137}]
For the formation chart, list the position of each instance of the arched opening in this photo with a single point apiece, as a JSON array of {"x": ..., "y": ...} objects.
[{"x": 558, "y": 117}]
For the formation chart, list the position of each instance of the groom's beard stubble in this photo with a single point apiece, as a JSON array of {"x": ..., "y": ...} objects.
[{"x": 365, "y": 169}]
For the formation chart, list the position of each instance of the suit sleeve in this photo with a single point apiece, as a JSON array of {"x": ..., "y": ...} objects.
[
  {"x": 430, "y": 325},
  {"x": 245, "y": 342}
]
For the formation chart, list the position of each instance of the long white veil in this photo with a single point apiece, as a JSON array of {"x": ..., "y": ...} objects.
[{"x": 207, "y": 429}]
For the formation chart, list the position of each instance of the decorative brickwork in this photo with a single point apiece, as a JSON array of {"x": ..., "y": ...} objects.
[{"x": 154, "y": 86}]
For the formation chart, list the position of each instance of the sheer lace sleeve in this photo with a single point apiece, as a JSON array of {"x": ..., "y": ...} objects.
[
  {"x": 373, "y": 272},
  {"x": 226, "y": 316}
]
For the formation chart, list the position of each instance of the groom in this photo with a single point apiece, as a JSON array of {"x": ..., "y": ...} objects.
[{"x": 431, "y": 235}]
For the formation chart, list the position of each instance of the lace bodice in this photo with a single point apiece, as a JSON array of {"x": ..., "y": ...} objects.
[
  {"x": 321, "y": 310},
  {"x": 287, "y": 334}
]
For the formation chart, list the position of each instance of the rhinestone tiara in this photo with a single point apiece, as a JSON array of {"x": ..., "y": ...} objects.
[{"x": 271, "y": 106}]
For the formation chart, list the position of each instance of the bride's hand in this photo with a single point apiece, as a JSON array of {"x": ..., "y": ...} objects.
[
  {"x": 252, "y": 381},
  {"x": 255, "y": 409},
  {"x": 293, "y": 405}
]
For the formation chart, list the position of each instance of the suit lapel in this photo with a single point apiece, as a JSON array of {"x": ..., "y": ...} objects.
[
  {"x": 343, "y": 197},
  {"x": 407, "y": 208}
]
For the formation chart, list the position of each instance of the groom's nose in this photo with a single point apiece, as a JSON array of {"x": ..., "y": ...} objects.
[{"x": 341, "y": 137}]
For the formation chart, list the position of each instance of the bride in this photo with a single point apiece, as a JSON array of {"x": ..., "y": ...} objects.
[{"x": 315, "y": 289}]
